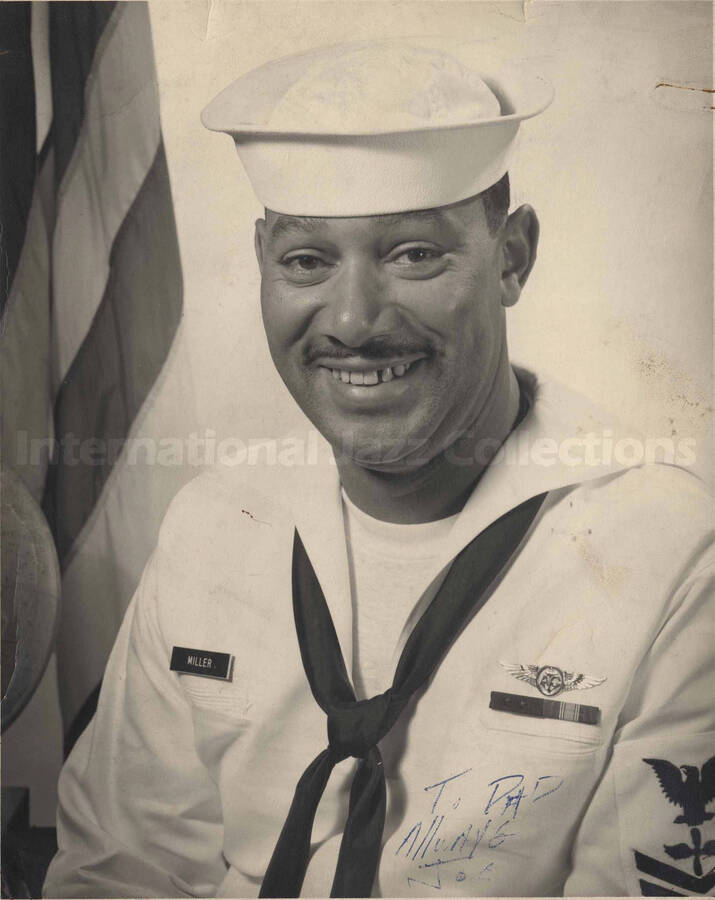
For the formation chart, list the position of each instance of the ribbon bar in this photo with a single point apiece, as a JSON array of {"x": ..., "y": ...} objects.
[{"x": 544, "y": 708}]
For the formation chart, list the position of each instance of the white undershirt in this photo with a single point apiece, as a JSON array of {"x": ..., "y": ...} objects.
[{"x": 390, "y": 569}]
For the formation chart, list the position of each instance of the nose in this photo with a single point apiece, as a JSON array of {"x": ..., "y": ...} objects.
[{"x": 355, "y": 304}]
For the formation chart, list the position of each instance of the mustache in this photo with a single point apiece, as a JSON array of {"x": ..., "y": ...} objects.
[{"x": 377, "y": 348}]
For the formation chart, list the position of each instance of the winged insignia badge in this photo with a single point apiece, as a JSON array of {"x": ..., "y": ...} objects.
[{"x": 550, "y": 680}]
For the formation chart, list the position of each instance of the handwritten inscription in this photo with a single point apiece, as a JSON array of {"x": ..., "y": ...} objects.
[{"x": 443, "y": 849}]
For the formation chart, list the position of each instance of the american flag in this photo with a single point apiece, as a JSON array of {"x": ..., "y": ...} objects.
[{"x": 91, "y": 293}]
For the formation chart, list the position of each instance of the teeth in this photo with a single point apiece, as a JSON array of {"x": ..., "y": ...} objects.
[{"x": 374, "y": 376}]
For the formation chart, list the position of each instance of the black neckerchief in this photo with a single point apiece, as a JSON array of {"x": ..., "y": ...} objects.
[{"x": 356, "y": 726}]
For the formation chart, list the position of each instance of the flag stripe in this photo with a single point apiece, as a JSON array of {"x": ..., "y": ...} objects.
[
  {"x": 40, "y": 39},
  {"x": 81, "y": 720},
  {"x": 121, "y": 356},
  {"x": 25, "y": 336},
  {"x": 17, "y": 127},
  {"x": 75, "y": 32},
  {"x": 116, "y": 146},
  {"x": 106, "y": 561}
]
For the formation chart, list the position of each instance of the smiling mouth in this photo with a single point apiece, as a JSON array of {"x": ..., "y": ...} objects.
[{"x": 370, "y": 377}]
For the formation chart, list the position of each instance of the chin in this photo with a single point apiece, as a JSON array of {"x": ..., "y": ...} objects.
[
  {"x": 387, "y": 453},
  {"x": 389, "y": 441}
]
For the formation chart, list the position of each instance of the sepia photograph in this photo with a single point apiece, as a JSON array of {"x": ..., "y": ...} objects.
[{"x": 356, "y": 448}]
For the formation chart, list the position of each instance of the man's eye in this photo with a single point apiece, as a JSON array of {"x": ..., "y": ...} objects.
[
  {"x": 416, "y": 255},
  {"x": 303, "y": 266},
  {"x": 419, "y": 254},
  {"x": 306, "y": 262},
  {"x": 417, "y": 261}
]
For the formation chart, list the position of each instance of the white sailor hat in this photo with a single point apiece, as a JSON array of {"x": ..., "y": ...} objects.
[{"x": 371, "y": 128}]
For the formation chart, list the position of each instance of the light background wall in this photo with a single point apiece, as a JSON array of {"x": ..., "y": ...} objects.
[{"x": 619, "y": 170}]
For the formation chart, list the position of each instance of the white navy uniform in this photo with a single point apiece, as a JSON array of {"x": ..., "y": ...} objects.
[{"x": 181, "y": 784}]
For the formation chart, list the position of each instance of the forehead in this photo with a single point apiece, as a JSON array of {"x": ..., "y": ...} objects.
[{"x": 445, "y": 219}]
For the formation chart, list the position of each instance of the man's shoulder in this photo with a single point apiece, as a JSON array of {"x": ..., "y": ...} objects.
[
  {"x": 638, "y": 489},
  {"x": 658, "y": 490},
  {"x": 660, "y": 514},
  {"x": 221, "y": 532},
  {"x": 254, "y": 497},
  {"x": 222, "y": 498}
]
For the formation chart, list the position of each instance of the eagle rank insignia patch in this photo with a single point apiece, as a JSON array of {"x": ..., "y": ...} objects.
[
  {"x": 550, "y": 680},
  {"x": 691, "y": 789}
]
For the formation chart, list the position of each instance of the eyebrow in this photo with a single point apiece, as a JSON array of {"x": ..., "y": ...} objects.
[
  {"x": 286, "y": 224},
  {"x": 435, "y": 216},
  {"x": 311, "y": 224}
]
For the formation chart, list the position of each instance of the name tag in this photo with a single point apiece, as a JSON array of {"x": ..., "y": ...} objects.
[
  {"x": 543, "y": 708},
  {"x": 208, "y": 663}
]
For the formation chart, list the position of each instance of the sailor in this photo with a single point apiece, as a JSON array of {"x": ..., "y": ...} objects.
[{"x": 467, "y": 649}]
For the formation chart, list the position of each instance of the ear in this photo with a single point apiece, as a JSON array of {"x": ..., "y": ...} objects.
[
  {"x": 520, "y": 237},
  {"x": 259, "y": 242}
]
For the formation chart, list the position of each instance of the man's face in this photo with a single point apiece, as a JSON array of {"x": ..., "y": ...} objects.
[{"x": 387, "y": 330}]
